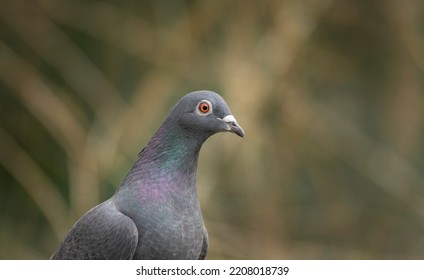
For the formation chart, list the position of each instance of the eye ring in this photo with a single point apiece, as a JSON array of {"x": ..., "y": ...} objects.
[{"x": 204, "y": 107}]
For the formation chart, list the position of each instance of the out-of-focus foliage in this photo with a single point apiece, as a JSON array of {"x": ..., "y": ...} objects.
[{"x": 330, "y": 94}]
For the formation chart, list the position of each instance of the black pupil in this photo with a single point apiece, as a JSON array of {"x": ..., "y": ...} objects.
[{"x": 204, "y": 107}]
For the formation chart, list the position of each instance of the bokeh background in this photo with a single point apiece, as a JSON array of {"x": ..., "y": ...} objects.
[{"x": 330, "y": 94}]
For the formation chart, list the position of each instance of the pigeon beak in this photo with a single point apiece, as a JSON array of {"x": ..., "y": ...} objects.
[{"x": 233, "y": 126}]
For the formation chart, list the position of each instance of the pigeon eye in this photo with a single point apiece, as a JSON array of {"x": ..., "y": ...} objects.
[{"x": 204, "y": 107}]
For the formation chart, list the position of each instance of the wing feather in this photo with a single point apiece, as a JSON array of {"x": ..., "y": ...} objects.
[{"x": 102, "y": 233}]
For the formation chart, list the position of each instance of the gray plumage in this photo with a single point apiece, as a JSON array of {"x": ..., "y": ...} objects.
[{"x": 155, "y": 213}]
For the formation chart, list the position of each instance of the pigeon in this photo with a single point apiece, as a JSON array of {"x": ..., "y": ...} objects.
[{"x": 155, "y": 212}]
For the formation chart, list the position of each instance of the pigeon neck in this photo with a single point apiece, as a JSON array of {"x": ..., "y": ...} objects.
[
  {"x": 172, "y": 153},
  {"x": 170, "y": 148}
]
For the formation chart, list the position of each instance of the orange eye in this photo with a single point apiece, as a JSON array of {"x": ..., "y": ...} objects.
[{"x": 204, "y": 107}]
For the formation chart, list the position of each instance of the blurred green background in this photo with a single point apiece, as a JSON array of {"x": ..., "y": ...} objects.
[{"x": 330, "y": 94}]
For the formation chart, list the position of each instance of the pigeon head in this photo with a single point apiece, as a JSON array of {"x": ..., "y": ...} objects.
[
  {"x": 205, "y": 113},
  {"x": 197, "y": 116}
]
